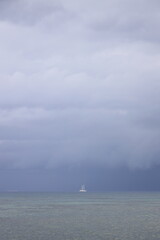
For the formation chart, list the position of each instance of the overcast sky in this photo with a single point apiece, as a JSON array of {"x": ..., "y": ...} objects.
[{"x": 79, "y": 89}]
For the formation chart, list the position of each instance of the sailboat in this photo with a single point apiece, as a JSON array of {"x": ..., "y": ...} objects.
[{"x": 82, "y": 189}]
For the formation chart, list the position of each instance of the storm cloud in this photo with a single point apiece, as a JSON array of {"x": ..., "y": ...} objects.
[{"x": 79, "y": 84}]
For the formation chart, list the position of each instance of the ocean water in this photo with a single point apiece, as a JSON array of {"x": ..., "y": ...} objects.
[{"x": 80, "y": 216}]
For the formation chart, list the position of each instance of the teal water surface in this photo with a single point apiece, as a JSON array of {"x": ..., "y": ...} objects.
[{"x": 80, "y": 216}]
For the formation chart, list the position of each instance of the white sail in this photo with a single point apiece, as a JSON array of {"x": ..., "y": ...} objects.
[{"x": 83, "y": 189}]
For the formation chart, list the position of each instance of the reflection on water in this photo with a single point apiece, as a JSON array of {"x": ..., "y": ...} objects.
[{"x": 81, "y": 216}]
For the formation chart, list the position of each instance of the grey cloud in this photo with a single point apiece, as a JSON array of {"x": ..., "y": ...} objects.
[
  {"x": 79, "y": 83},
  {"x": 71, "y": 136},
  {"x": 28, "y": 12}
]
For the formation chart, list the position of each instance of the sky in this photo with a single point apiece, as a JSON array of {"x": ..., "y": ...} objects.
[{"x": 79, "y": 95}]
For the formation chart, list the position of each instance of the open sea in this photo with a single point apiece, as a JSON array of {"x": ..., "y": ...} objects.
[{"x": 80, "y": 216}]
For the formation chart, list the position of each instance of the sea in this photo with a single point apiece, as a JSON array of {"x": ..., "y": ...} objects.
[{"x": 80, "y": 216}]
